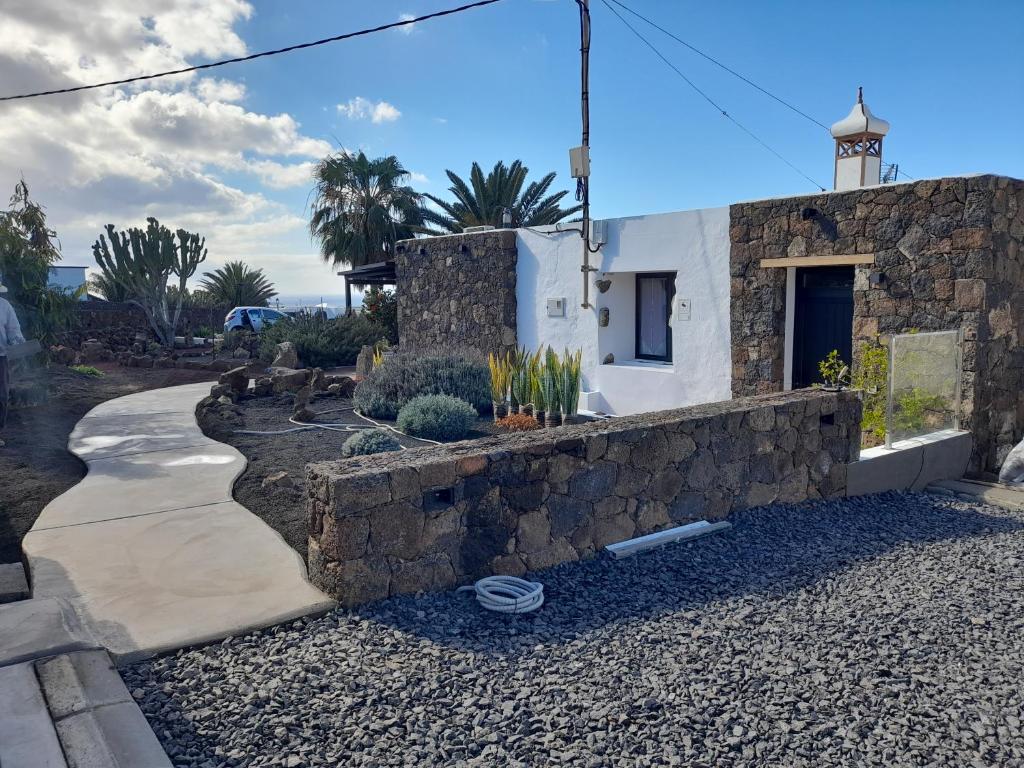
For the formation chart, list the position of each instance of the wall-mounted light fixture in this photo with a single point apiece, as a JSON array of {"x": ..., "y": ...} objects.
[
  {"x": 506, "y": 218},
  {"x": 423, "y": 251}
]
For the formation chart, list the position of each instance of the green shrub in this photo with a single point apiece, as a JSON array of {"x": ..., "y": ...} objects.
[
  {"x": 321, "y": 342},
  {"x": 369, "y": 441},
  {"x": 916, "y": 408},
  {"x": 437, "y": 417},
  {"x": 400, "y": 378},
  {"x": 871, "y": 374},
  {"x": 87, "y": 370}
]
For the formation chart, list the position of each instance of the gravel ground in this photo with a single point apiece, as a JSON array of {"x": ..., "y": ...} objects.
[{"x": 881, "y": 631}]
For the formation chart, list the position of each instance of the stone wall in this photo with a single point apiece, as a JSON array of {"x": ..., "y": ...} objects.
[
  {"x": 434, "y": 517},
  {"x": 457, "y": 291},
  {"x": 952, "y": 255},
  {"x": 99, "y": 316}
]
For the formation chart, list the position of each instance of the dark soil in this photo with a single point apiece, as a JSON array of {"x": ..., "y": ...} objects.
[
  {"x": 284, "y": 508},
  {"x": 35, "y": 465}
]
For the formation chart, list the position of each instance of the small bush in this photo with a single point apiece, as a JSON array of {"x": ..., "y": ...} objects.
[
  {"x": 871, "y": 375},
  {"x": 518, "y": 422},
  {"x": 437, "y": 417},
  {"x": 400, "y": 378},
  {"x": 322, "y": 342},
  {"x": 239, "y": 338},
  {"x": 369, "y": 441},
  {"x": 87, "y": 370},
  {"x": 381, "y": 307}
]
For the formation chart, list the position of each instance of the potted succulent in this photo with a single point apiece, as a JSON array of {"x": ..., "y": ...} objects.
[
  {"x": 501, "y": 373},
  {"x": 570, "y": 385},
  {"x": 550, "y": 384},
  {"x": 834, "y": 372}
]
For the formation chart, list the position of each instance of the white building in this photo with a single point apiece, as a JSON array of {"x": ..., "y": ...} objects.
[
  {"x": 657, "y": 336},
  {"x": 68, "y": 277}
]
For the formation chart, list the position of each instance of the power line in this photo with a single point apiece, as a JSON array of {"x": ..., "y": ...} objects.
[
  {"x": 717, "y": 63},
  {"x": 733, "y": 72},
  {"x": 707, "y": 98},
  {"x": 261, "y": 54}
]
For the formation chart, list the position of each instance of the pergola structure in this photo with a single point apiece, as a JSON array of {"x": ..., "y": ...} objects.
[{"x": 380, "y": 273}]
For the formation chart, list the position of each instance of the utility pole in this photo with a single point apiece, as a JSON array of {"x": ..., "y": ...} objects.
[{"x": 579, "y": 158}]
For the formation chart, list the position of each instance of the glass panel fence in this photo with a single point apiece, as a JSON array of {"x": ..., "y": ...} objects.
[{"x": 924, "y": 384}]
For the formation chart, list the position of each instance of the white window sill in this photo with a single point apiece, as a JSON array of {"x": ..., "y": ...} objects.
[{"x": 646, "y": 365}]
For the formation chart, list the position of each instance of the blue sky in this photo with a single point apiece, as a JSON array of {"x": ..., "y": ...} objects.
[
  {"x": 228, "y": 152},
  {"x": 948, "y": 76}
]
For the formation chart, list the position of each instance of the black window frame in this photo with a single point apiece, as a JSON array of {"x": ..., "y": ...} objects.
[{"x": 670, "y": 277}]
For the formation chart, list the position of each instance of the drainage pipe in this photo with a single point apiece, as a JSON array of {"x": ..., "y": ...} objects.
[{"x": 507, "y": 594}]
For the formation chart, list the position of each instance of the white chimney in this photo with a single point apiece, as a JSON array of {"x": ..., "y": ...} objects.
[{"x": 858, "y": 147}]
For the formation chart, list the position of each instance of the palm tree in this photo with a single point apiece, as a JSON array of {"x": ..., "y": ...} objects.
[
  {"x": 361, "y": 208},
  {"x": 485, "y": 200},
  {"x": 107, "y": 287},
  {"x": 237, "y": 285}
]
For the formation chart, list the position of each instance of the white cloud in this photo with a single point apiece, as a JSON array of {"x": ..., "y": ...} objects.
[
  {"x": 281, "y": 176},
  {"x": 441, "y": 120},
  {"x": 408, "y": 29},
  {"x": 211, "y": 89},
  {"x": 173, "y": 147},
  {"x": 419, "y": 178},
  {"x": 365, "y": 109}
]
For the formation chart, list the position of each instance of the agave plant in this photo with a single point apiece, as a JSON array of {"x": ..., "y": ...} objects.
[
  {"x": 519, "y": 382},
  {"x": 501, "y": 376},
  {"x": 571, "y": 365},
  {"x": 535, "y": 367}
]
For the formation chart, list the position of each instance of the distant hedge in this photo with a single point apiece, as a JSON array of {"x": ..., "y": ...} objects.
[{"x": 322, "y": 342}]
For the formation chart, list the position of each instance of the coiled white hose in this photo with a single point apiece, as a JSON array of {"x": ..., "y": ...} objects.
[{"x": 507, "y": 594}]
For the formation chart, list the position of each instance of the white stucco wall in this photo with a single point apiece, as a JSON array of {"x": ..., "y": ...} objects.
[
  {"x": 695, "y": 245},
  {"x": 68, "y": 278}
]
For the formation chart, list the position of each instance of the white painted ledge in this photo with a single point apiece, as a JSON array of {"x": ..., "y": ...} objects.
[
  {"x": 642, "y": 365},
  {"x": 910, "y": 465}
]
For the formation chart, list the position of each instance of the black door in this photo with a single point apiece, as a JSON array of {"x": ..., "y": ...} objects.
[
  {"x": 823, "y": 320},
  {"x": 654, "y": 294}
]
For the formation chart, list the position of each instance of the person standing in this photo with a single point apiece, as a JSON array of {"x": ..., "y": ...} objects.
[{"x": 10, "y": 334}]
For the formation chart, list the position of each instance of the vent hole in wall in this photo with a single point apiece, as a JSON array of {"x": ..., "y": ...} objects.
[{"x": 439, "y": 498}]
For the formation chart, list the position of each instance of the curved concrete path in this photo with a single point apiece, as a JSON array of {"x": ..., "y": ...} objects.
[{"x": 149, "y": 548}]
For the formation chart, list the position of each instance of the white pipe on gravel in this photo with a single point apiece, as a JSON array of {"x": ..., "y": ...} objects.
[{"x": 507, "y": 594}]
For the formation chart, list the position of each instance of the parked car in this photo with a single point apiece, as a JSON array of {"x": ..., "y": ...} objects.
[{"x": 251, "y": 318}]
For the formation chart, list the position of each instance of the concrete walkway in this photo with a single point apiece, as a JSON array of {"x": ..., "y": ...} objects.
[{"x": 149, "y": 549}]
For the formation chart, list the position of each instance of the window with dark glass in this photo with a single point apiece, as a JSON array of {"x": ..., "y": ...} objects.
[{"x": 654, "y": 294}]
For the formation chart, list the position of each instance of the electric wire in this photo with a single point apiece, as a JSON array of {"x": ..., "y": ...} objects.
[
  {"x": 717, "y": 63},
  {"x": 261, "y": 54},
  {"x": 898, "y": 171},
  {"x": 706, "y": 97}
]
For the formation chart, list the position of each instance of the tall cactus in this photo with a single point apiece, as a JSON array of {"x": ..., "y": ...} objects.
[{"x": 143, "y": 261}]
